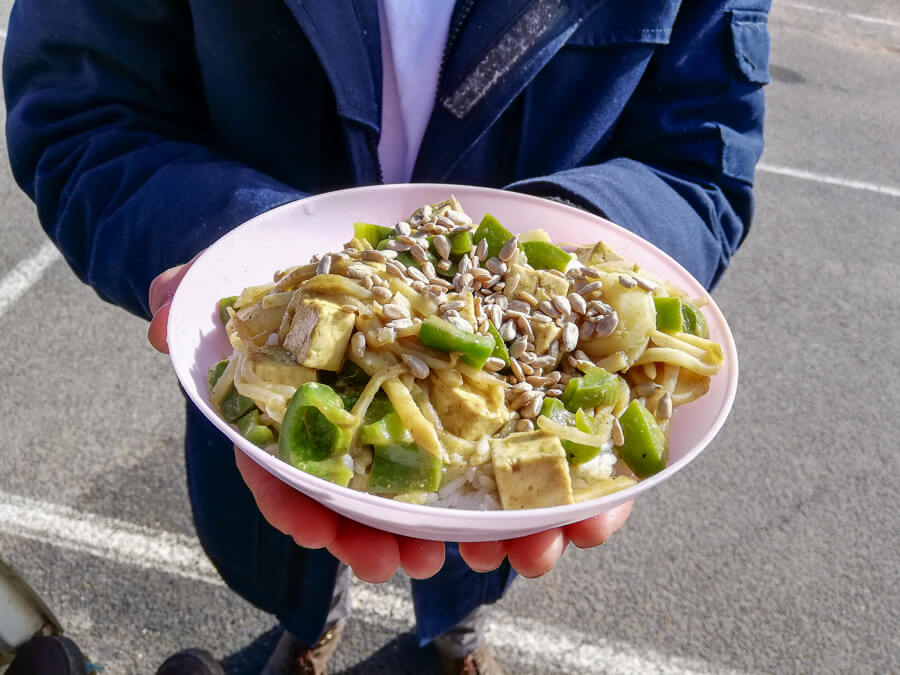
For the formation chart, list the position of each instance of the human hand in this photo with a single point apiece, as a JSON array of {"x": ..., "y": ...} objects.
[
  {"x": 375, "y": 555},
  {"x": 162, "y": 289}
]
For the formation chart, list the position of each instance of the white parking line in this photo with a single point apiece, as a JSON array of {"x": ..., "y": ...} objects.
[
  {"x": 845, "y": 15},
  {"x": 129, "y": 544},
  {"x": 24, "y": 275},
  {"x": 829, "y": 180}
]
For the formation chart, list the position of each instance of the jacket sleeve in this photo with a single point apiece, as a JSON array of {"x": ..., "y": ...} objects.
[
  {"x": 105, "y": 129},
  {"x": 678, "y": 169}
]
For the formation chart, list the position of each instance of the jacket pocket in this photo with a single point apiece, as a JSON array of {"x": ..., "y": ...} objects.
[{"x": 750, "y": 35}]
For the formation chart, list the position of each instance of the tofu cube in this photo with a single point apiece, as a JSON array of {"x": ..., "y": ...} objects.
[
  {"x": 466, "y": 412},
  {"x": 540, "y": 283},
  {"x": 319, "y": 334},
  {"x": 544, "y": 334},
  {"x": 531, "y": 470}
]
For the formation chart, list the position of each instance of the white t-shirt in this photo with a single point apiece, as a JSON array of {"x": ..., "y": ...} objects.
[{"x": 413, "y": 36}]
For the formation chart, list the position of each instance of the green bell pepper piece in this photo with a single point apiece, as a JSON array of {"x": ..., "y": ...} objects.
[
  {"x": 403, "y": 468},
  {"x": 694, "y": 320},
  {"x": 495, "y": 234},
  {"x": 445, "y": 337},
  {"x": 577, "y": 453},
  {"x": 307, "y": 433},
  {"x": 215, "y": 372},
  {"x": 544, "y": 256},
  {"x": 500, "y": 350},
  {"x": 596, "y": 387},
  {"x": 389, "y": 430},
  {"x": 332, "y": 469},
  {"x": 668, "y": 314},
  {"x": 233, "y": 405},
  {"x": 374, "y": 234},
  {"x": 460, "y": 242},
  {"x": 644, "y": 450},
  {"x": 253, "y": 431},
  {"x": 224, "y": 304}
]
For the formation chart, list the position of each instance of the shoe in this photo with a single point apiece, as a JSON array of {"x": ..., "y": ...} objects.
[
  {"x": 479, "y": 662},
  {"x": 292, "y": 657},
  {"x": 191, "y": 662},
  {"x": 48, "y": 655}
]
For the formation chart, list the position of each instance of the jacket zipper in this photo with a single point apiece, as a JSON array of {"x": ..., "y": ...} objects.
[{"x": 452, "y": 35}]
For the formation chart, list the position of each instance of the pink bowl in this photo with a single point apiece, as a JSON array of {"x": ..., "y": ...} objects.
[{"x": 291, "y": 234}]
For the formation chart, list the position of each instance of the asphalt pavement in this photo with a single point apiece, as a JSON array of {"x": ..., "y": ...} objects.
[{"x": 776, "y": 551}]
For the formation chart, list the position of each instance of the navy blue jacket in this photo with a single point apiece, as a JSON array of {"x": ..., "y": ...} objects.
[{"x": 145, "y": 129}]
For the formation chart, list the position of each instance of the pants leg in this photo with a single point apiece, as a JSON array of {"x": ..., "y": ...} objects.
[
  {"x": 447, "y": 603},
  {"x": 257, "y": 561}
]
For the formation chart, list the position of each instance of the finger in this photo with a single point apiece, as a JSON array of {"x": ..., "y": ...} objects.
[
  {"x": 483, "y": 556},
  {"x": 597, "y": 530},
  {"x": 420, "y": 558},
  {"x": 158, "y": 329},
  {"x": 288, "y": 511},
  {"x": 373, "y": 554},
  {"x": 536, "y": 554},
  {"x": 162, "y": 288}
]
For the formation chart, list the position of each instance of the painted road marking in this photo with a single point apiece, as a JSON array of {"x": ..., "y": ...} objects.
[
  {"x": 829, "y": 180},
  {"x": 846, "y": 15},
  {"x": 179, "y": 555},
  {"x": 24, "y": 275}
]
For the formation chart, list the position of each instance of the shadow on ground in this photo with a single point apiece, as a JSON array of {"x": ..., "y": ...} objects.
[{"x": 400, "y": 656}]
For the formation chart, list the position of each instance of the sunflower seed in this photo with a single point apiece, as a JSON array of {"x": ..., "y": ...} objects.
[
  {"x": 395, "y": 269},
  {"x": 523, "y": 399},
  {"x": 481, "y": 249},
  {"x": 496, "y": 266},
  {"x": 324, "y": 266},
  {"x": 518, "y": 346},
  {"x": 507, "y": 250},
  {"x": 525, "y": 327},
  {"x": 417, "y": 274},
  {"x": 461, "y": 228},
  {"x": 547, "y": 308},
  {"x": 664, "y": 407},
  {"x": 508, "y": 330},
  {"x": 461, "y": 323},
  {"x": 428, "y": 269},
  {"x": 618, "y": 438},
  {"x": 646, "y": 388},
  {"x": 590, "y": 272},
  {"x": 570, "y": 337},
  {"x": 526, "y": 297},
  {"x": 517, "y": 389},
  {"x": 358, "y": 345},
  {"x": 562, "y": 304},
  {"x": 426, "y": 212},
  {"x": 516, "y": 369},
  {"x": 481, "y": 275},
  {"x": 546, "y": 361},
  {"x": 591, "y": 287},
  {"x": 527, "y": 356},
  {"x": 606, "y": 326},
  {"x": 454, "y": 305},
  {"x": 538, "y": 380},
  {"x": 446, "y": 222},
  {"x": 442, "y": 246},
  {"x": 417, "y": 366},
  {"x": 627, "y": 281},
  {"x": 646, "y": 284},
  {"x": 373, "y": 256},
  {"x": 519, "y": 306},
  {"x": 533, "y": 408},
  {"x": 402, "y": 228},
  {"x": 574, "y": 273},
  {"x": 358, "y": 271},
  {"x": 418, "y": 286},
  {"x": 493, "y": 364},
  {"x": 441, "y": 283},
  {"x": 396, "y": 245},
  {"x": 444, "y": 265},
  {"x": 367, "y": 282},
  {"x": 524, "y": 425},
  {"x": 465, "y": 264},
  {"x": 540, "y": 317},
  {"x": 418, "y": 253},
  {"x": 554, "y": 376}
]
